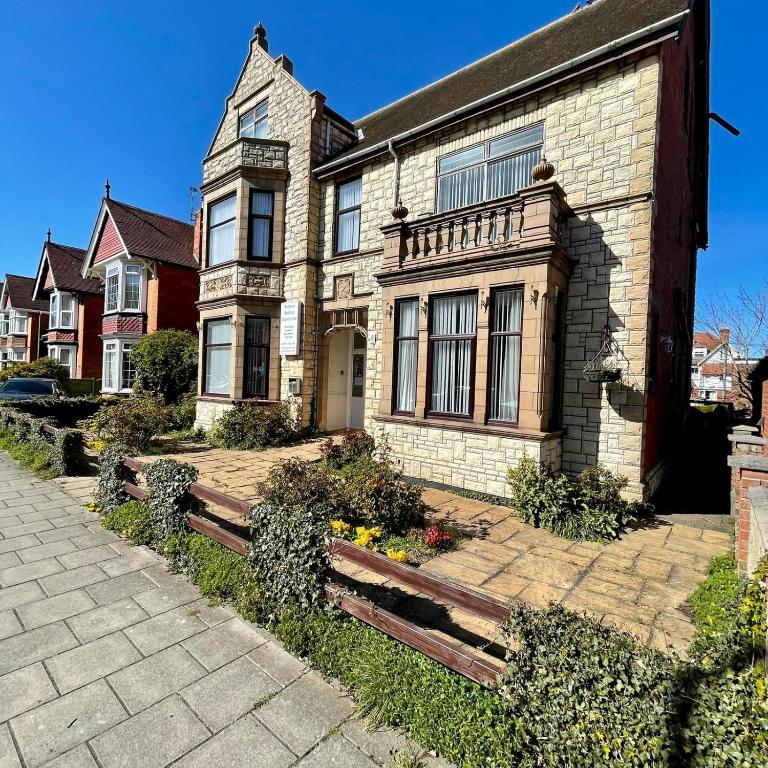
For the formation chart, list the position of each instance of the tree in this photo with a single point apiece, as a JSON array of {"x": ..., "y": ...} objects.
[{"x": 166, "y": 363}]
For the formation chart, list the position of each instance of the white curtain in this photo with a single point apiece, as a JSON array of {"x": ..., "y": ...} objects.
[
  {"x": 461, "y": 188},
  {"x": 348, "y": 236},
  {"x": 505, "y": 354},
  {"x": 452, "y": 358},
  {"x": 505, "y": 177},
  {"x": 217, "y": 358},
  {"x": 407, "y": 355},
  {"x": 221, "y": 231}
]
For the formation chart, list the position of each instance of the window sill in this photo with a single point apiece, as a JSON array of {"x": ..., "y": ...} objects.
[{"x": 111, "y": 312}]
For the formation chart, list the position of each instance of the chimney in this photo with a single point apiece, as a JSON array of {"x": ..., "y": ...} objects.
[
  {"x": 725, "y": 335},
  {"x": 261, "y": 36}
]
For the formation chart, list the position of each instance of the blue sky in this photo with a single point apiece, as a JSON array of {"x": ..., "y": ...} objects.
[{"x": 134, "y": 91}]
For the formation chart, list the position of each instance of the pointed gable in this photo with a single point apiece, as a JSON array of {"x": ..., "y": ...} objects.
[
  {"x": 48, "y": 279},
  {"x": 109, "y": 241}
]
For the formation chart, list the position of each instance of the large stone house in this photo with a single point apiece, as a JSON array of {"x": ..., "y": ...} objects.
[
  {"x": 500, "y": 263},
  {"x": 74, "y": 310},
  {"x": 147, "y": 266},
  {"x": 23, "y": 321}
]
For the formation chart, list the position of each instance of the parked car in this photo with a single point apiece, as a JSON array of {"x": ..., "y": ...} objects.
[{"x": 29, "y": 389}]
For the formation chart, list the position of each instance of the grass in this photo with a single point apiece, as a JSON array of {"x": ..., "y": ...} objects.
[{"x": 35, "y": 457}]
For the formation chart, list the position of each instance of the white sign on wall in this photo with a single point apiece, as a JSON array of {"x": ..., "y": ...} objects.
[{"x": 290, "y": 325}]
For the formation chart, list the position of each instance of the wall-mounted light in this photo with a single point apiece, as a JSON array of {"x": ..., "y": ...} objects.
[
  {"x": 390, "y": 309},
  {"x": 669, "y": 343},
  {"x": 425, "y": 306},
  {"x": 535, "y": 297},
  {"x": 484, "y": 300}
]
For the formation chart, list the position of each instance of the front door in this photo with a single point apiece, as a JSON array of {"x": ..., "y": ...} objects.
[{"x": 357, "y": 382}]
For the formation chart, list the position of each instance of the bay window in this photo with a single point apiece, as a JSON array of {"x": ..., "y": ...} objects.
[
  {"x": 493, "y": 169},
  {"x": 127, "y": 367},
  {"x": 132, "y": 287},
  {"x": 406, "y": 354},
  {"x": 257, "y": 332},
  {"x": 221, "y": 230},
  {"x": 253, "y": 123},
  {"x": 218, "y": 354},
  {"x": 123, "y": 288},
  {"x": 260, "y": 226},
  {"x": 62, "y": 310},
  {"x": 348, "y": 201},
  {"x": 4, "y": 323},
  {"x": 109, "y": 375},
  {"x": 112, "y": 289},
  {"x": 452, "y": 337},
  {"x": 505, "y": 346},
  {"x": 66, "y": 357},
  {"x": 119, "y": 371},
  {"x": 18, "y": 321}
]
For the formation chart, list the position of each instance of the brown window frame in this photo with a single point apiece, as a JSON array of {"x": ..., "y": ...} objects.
[
  {"x": 493, "y": 334},
  {"x": 431, "y": 338},
  {"x": 246, "y": 347},
  {"x": 396, "y": 345},
  {"x": 206, "y": 347},
  {"x": 338, "y": 212},
  {"x": 261, "y": 216}
]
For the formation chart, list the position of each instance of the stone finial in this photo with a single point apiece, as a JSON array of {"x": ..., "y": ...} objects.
[
  {"x": 399, "y": 212},
  {"x": 48, "y": 235},
  {"x": 107, "y": 187},
  {"x": 543, "y": 170},
  {"x": 261, "y": 36}
]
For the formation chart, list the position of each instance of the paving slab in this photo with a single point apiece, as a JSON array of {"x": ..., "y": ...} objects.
[
  {"x": 106, "y": 619},
  {"x": 223, "y": 696},
  {"x": 223, "y": 643},
  {"x": 18, "y": 574},
  {"x": 58, "y": 726},
  {"x": 134, "y": 561},
  {"x": 245, "y": 742},
  {"x": 152, "y": 739},
  {"x": 69, "y": 580},
  {"x": 17, "y": 543},
  {"x": 166, "y": 629},
  {"x": 280, "y": 665},
  {"x": 91, "y": 661},
  {"x": 56, "y": 534},
  {"x": 108, "y": 590},
  {"x": 9, "y": 758},
  {"x": 9, "y": 624},
  {"x": 55, "y": 608},
  {"x": 21, "y": 594},
  {"x": 43, "y": 551},
  {"x": 23, "y": 690},
  {"x": 8, "y": 559},
  {"x": 34, "y": 645},
  {"x": 79, "y": 757},
  {"x": 148, "y": 681},
  {"x": 336, "y": 752},
  {"x": 162, "y": 599}
]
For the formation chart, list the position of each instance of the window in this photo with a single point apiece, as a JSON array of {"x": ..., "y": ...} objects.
[
  {"x": 112, "y": 289},
  {"x": 406, "y": 354},
  {"x": 132, "y": 287},
  {"x": 18, "y": 322},
  {"x": 453, "y": 321},
  {"x": 119, "y": 371},
  {"x": 127, "y": 368},
  {"x": 218, "y": 351},
  {"x": 17, "y": 356},
  {"x": 65, "y": 356},
  {"x": 110, "y": 366},
  {"x": 62, "y": 310},
  {"x": 348, "y": 199},
  {"x": 253, "y": 123},
  {"x": 221, "y": 231},
  {"x": 257, "y": 331},
  {"x": 700, "y": 352},
  {"x": 4, "y": 324},
  {"x": 505, "y": 340},
  {"x": 487, "y": 171},
  {"x": 260, "y": 232}
]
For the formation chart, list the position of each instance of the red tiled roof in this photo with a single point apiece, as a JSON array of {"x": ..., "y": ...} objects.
[
  {"x": 20, "y": 290},
  {"x": 705, "y": 339},
  {"x": 65, "y": 264},
  {"x": 153, "y": 236}
]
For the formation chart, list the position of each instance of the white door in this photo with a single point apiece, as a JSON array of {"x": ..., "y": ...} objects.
[{"x": 357, "y": 382}]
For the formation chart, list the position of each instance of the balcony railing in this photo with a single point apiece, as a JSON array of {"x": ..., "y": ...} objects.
[
  {"x": 246, "y": 153},
  {"x": 238, "y": 278},
  {"x": 533, "y": 217}
]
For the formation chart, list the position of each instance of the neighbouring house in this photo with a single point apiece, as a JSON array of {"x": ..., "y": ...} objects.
[
  {"x": 719, "y": 372},
  {"x": 147, "y": 266},
  {"x": 23, "y": 321},
  {"x": 500, "y": 263},
  {"x": 74, "y": 309}
]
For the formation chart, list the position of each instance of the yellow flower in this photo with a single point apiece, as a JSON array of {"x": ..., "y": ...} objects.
[
  {"x": 367, "y": 536},
  {"x": 340, "y": 528},
  {"x": 398, "y": 554},
  {"x": 92, "y": 506}
]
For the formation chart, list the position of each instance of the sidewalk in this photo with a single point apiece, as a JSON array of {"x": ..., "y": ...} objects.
[{"x": 108, "y": 659}]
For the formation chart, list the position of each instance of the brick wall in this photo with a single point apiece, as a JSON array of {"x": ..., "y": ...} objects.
[
  {"x": 90, "y": 309},
  {"x": 176, "y": 290}
]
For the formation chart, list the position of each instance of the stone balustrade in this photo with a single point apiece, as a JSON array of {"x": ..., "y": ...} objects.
[
  {"x": 246, "y": 153},
  {"x": 239, "y": 278}
]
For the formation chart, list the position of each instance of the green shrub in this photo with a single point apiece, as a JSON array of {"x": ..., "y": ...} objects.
[
  {"x": 59, "y": 411},
  {"x": 166, "y": 363},
  {"x": 42, "y": 368},
  {"x": 304, "y": 483},
  {"x": 32, "y": 456},
  {"x": 68, "y": 452},
  {"x": 168, "y": 496},
  {"x": 590, "y": 508},
  {"x": 378, "y": 495},
  {"x": 113, "y": 473},
  {"x": 352, "y": 446},
  {"x": 587, "y": 694},
  {"x": 252, "y": 426},
  {"x": 182, "y": 415},
  {"x": 132, "y": 520},
  {"x": 133, "y": 421}
]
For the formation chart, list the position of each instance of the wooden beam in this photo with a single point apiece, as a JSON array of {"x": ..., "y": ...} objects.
[
  {"x": 221, "y": 499},
  {"x": 473, "y": 667},
  {"x": 135, "y": 491},
  {"x": 438, "y": 588},
  {"x": 214, "y": 531}
]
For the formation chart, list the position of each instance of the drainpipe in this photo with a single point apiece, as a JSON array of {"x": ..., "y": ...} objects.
[{"x": 395, "y": 173}]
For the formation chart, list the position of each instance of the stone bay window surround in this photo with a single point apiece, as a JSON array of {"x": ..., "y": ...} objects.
[
  {"x": 23, "y": 321},
  {"x": 460, "y": 252},
  {"x": 147, "y": 268},
  {"x": 72, "y": 337}
]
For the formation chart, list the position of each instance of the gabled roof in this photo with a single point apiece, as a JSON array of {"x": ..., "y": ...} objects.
[
  {"x": 145, "y": 234},
  {"x": 18, "y": 292},
  {"x": 706, "y": 339},
  {"x": 603, "y": 25},
  {"x": 64, "y": 263}
]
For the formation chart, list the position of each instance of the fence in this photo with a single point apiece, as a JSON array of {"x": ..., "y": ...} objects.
[{"x": 474, "y": 667}]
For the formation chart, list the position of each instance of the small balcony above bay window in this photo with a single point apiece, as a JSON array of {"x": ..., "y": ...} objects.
[
  {"x": 63, "y": 311},
  {"x": 124, "y": 288}
]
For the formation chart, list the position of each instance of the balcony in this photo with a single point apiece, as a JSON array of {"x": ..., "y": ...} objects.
[
  {"x": 243, "y": 154},
  {"x": 238, "y": 278},
  {"x": 528, "y": 222}
]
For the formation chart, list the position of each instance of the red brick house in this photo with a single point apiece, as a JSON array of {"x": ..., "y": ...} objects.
[
  {"x": 74, "y": 306},
  {"x": 23, "y": 321},
  {"x": 147, "y": 267}
]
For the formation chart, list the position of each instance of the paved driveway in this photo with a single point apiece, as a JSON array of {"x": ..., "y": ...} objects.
[{"x": 107, "y": 659}]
